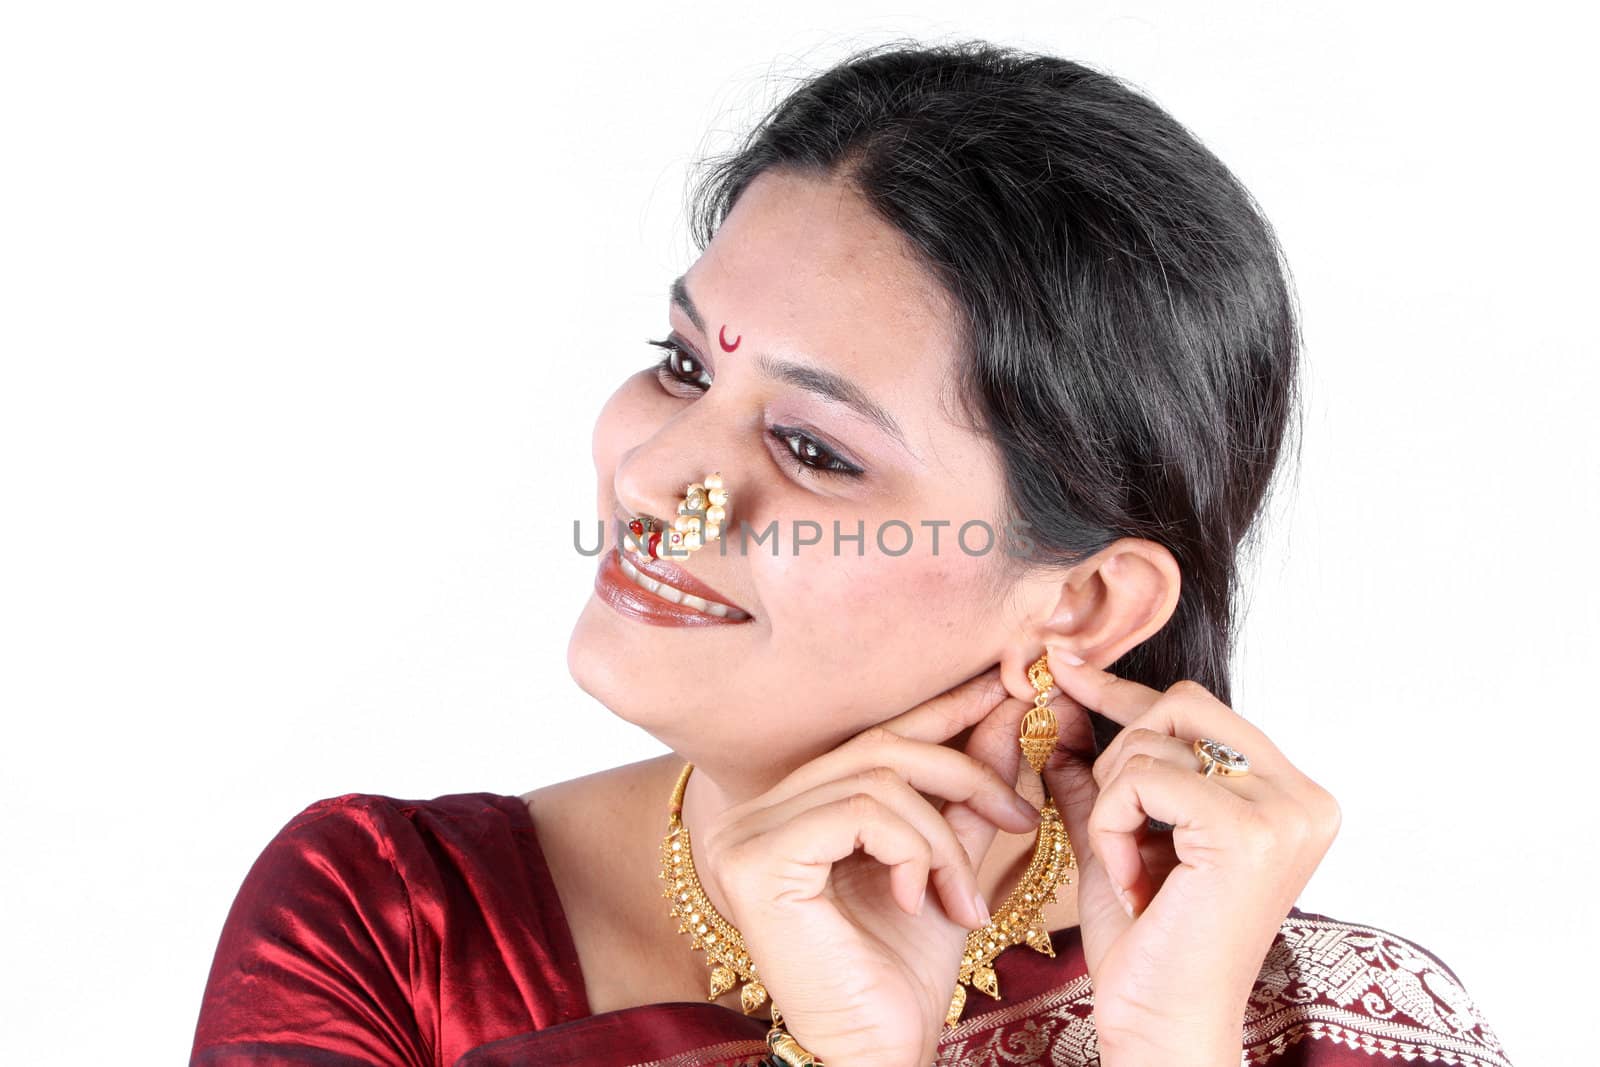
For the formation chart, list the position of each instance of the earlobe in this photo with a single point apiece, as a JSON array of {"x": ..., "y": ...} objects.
[{"x": 1015, "y": 660}]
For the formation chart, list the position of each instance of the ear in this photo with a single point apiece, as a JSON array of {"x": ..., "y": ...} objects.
[{"x": 1104, "y": 606}]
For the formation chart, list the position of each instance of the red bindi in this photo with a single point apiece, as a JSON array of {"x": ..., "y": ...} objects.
[{"x": 722, "y": 337}]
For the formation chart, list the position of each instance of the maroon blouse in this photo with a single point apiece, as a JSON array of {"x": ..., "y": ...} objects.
[{"x": 428, "y": 933}]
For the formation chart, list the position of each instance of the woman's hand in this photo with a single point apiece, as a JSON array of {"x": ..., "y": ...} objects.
[
  {"x": 1171, "y": 985},
  {"x": 860, "y": 964}
]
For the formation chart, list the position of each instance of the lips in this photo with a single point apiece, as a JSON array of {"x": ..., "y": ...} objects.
[{"x": 661, "y": 570}]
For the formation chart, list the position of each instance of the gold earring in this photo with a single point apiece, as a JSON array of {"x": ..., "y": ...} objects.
[
  {"x": 1018, "y": 919},
  {"x": 702, "y": 512},
  {"x": 1039, "y": 730}
]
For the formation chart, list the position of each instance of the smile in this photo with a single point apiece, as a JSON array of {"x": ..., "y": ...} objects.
[{"x": 675, "y": 595}]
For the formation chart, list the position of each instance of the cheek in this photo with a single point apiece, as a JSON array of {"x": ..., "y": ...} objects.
[{"x": 870, "y": 607}]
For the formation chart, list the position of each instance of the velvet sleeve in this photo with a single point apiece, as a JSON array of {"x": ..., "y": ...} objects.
[{"x": 315, "y": 961}]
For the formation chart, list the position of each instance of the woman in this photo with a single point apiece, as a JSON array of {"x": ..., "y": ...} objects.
[{"x": 1027, "y": 351}]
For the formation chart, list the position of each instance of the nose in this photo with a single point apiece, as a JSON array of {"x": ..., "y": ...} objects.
[
  {"x": 650, "y": 479},
  {"x": 647, "y": 487},
  {"x": 698, "y": 516}
]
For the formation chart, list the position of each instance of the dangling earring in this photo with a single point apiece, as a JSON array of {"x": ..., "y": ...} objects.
[
  {"x": 702, "y": 512},
  {"x": 1039, "y": 731},
  {"x": 1018, "y": 919}
]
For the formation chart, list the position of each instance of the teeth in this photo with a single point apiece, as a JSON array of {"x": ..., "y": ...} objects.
[{"x": 676, "y": 595}]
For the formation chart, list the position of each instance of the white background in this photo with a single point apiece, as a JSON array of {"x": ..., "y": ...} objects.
[{"x": 306, "y": 311}]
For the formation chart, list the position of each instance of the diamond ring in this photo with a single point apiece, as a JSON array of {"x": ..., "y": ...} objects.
[{"x": 1220, "y": 758}]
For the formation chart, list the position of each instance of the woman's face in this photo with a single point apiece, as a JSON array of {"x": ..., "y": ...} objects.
[{"x": 801, "y": 276}]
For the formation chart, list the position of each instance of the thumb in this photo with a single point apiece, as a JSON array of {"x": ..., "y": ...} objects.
[
  {"x": 994, "y": 742},
  {"x": 1069, "y": 775},
  {"x": 1069, "y": 771}
]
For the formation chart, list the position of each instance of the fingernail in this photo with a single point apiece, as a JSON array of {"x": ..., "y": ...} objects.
[
  {"x": 983, "y": 909},
  {"x": 923, "y": 898},
  {"x": 1127, "y": 901},
  {"x": 1023, "y": 808},
  {"x": 1065, "y": 655}
]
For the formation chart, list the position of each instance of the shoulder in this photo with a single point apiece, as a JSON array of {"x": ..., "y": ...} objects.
[
  {"x": 573, "y": 814},
  {"x": 378, "y": 855},
  {"x": 378, "y": 812},
  {"x": 375, "y": 835},
  {"x": 362, "y": 843},
  {"x": 604, "y": 794},
  {"x": 1328, "y": 983},
  {"x": 365, "y": 916}
]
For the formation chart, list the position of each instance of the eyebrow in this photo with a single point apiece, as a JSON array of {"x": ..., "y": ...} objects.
[
  {"x": 823, "y": 383},
  {"x": 680, "y": 297}
]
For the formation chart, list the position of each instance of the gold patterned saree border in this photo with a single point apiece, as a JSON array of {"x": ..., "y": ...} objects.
[{"x": 1354, "y": 985}]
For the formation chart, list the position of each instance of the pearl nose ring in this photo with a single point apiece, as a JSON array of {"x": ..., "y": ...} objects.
[{"x": 702, "y": 512}]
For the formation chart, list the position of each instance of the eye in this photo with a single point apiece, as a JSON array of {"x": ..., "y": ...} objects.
[
  {"x": 811, "y": 455},
  {"x": 679, "y": 366}
]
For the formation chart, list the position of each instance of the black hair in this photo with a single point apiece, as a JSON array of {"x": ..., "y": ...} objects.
[{"x": 1130, "y": 333}]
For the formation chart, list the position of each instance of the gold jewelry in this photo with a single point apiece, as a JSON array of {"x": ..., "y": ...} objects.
[
  {"x": 1016, "y": 921},
  {"x": 725, "y": 950},
  {"x": 1220, "y": 758},
  {"x": 786, "y": 1051}
]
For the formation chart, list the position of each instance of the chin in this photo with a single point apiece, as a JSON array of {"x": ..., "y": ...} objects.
[
  {"x": 597, "y": 662},
  {"x": 640, "y": 685},
  {"x": 604, "y": 663}
]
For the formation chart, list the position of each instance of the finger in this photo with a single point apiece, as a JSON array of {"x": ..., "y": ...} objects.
[
  {"x": 1140, "y": 740},
  {"x": 994, "y": 742},
  {"x": 1118, "y": 699},
  {"x": 957, "y": 882},
  {"x": 1148, "y": 787},
  {"x": 1068, "y": 772},
  {"x": 1101, "y": 913},
  {"x": 931, "y": 768},
  {"x": 1188, "y": 710},
  {"x": 944, "y": 716},
  {"x": 808, "y": 846}
]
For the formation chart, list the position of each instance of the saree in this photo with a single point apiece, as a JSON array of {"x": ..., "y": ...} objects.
[{"x": 428, "y": 933}]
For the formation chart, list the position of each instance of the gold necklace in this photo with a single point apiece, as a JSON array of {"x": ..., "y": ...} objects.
[{"x": 1016, "y": 921}]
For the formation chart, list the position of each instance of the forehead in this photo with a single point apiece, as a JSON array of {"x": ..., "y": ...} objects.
[{"x": 802, "y": 269}]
